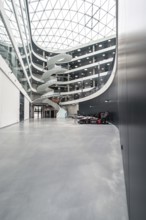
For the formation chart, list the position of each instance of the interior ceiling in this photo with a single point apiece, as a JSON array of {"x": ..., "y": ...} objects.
[{"x": 63, "y": 24}]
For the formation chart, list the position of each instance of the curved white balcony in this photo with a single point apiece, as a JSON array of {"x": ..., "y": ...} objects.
[
  {"x": 82, "y": 79},
  {"x": 94, "y": 53},
  {"x": 95, "y": 93},
  {"x": 109, "y": 60},
  {"x": 58, "y": 59},
  {"x": 37, "y": 67},
  {"x": 76, "y": 91},
  {"x": 84, "y": 94},
  {"x": 79, "y": 57},
  {"x": 37, "y": 79},
  {"x": 32, "y": 77},
  {"x": 38, "y": 56},
  {"x": 58, "y": 94}
]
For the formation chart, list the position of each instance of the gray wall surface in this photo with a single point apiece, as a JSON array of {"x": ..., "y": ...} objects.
[
  {"x": 132, "y": 101},
  {"x": 128, "y": 101},
  {"x": 105, "y": 102}
]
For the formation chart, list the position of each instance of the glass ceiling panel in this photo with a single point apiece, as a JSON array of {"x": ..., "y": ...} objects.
[
  {"x": 63, "y": 24},
  {"x": 4, "y": 38},
  {"x": 13, "y": 24}
]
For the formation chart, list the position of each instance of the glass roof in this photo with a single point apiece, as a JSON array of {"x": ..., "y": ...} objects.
[
  {"x": 4, "y": 38},
  {"x": 9, "y": 10},
  {"x": 11, "y": 16},
  {"x": 63, "y": 24}
]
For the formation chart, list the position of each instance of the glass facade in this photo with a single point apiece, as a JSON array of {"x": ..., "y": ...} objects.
[
  {"x": 7, "y": 50},
  {"x": 14, "y": 35}
]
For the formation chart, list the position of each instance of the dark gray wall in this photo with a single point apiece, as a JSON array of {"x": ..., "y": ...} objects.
[
  {"x": 100, "y": 103},
  {"x": 130, "y": 85},
  {"x": 132, "y": 101}
]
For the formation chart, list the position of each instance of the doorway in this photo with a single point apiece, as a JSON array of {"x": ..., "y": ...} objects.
[
  {"x": 21, "y": 107},
  {"x": 49, "y": 113},
  {"x": 37, "y": 111}
]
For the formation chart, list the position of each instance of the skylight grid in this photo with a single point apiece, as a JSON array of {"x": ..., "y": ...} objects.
[
  {"x": 4, "y": 38},
  {"x": 62, "y": 24}
]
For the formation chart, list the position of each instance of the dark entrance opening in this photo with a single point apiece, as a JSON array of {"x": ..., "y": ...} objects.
[
  {"x": 52, "y": 114},
  {"x": 49, "y": 112},
  {"x": 21, "y": 108}
]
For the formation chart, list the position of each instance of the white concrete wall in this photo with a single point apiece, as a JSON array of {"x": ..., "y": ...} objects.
[
  {"x": 26, "y": 108},
  {"x": 9, "y": 102},
  {"x": 72, "y": 109},
  {"x": 10, "y": 97}
]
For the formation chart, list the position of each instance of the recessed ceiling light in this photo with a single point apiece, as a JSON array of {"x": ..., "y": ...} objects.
[
  {"x": 85, "y": 69},
  {"x": 108, "y": 64},
  {"x": 103, "y": 55},
  {"x": 87, "y": 58},
  {"x": 76, "y": 66},
  {"x": 100, "y": 45},
  {"x": 79, "y": 49},
  {"x": 109, "y": 40},
  {"x": 79, "y": 60}
]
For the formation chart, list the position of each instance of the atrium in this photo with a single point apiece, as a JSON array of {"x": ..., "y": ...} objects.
[{"x": 72, "y": 109}]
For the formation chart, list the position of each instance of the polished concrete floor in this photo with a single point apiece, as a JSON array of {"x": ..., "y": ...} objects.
[{"x": 60, "y": 170}]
